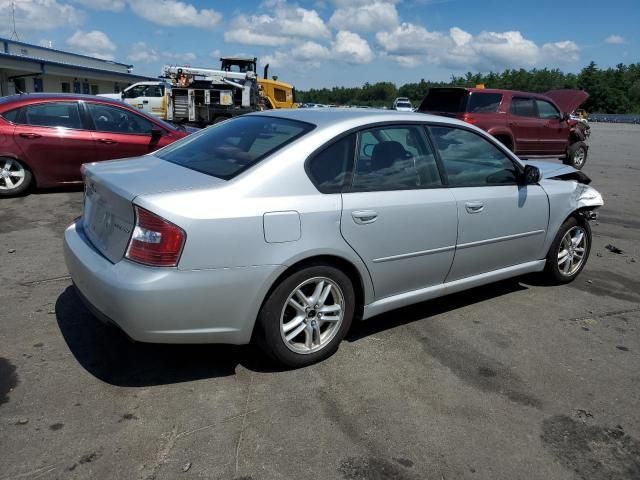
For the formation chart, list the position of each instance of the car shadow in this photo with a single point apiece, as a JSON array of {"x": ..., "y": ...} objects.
[
  {"x": 430, "y": 308},
  {"x": 109, "y": 355}
]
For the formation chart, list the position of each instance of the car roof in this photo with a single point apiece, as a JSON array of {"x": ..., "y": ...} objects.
[
  {"x": 25, "y": 98},
  {"x": 493, "y": 90},
  {"x": 354, "y": 117}
]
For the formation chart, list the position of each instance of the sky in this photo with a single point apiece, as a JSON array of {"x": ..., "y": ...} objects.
[{"x": 325, "y": 43}]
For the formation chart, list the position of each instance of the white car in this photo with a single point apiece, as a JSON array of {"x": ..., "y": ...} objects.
[{"x": 402, "y": 104}]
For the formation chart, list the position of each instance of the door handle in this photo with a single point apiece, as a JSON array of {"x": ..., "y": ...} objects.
[
  {"x": 108, "y": 141},
  {"x": 145, "y": 101},
  {"x": 474, "y": 207},
  {"x": 30, "y": 135},
  {"x": 363, "y": 217}
]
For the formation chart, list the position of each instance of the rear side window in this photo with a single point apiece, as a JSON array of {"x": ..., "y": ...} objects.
[
  {"x": 230, "y": 147},
  {"x": 523, "y": 107},
  {"x": 471, "y": 160},
  {"x": 330, "y": 170},
  {"x": 484, "y": 102},
  {"x": 54, "y": 114},
  {"x": 394, "y": 158},
  {"x": 11, "y": 115}
]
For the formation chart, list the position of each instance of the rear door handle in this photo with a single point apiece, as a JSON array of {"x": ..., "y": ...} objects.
[
  {"x": 145, "y": 101},
  {"x": 108, "y": 141},
  {"x": 474, "y": 207},
  {"x": 30, "y": 135},
  {"x": 363, "y": 217}
]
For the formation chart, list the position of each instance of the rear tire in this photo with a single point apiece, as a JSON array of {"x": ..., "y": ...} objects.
[
  {"x": 577, "y": 155},
  {"x": 15, "y": 177},
  {"x": 569, "y": 252},
  {"x": 306, "y": 316}
]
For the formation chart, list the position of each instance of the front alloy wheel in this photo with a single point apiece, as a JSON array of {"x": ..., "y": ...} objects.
[
  {"x": 306, "y": 315},
  {"x": 572, "y": 250}
]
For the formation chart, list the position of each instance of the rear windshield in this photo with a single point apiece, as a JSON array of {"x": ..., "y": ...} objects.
[
  {"x": 483, "y": 102},
  {"x": 444, "y": 100},
  {"x": 403, "y": 104},
  {"x": 230, "y": 147}
]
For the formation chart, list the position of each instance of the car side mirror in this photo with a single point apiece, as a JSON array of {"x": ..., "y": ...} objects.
[
  {"x": 531, "y": 175},
  {"x": 156, "y": 134}
]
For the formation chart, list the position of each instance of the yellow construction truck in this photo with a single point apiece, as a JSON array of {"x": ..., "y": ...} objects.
[{"x": 203, "y": 96}]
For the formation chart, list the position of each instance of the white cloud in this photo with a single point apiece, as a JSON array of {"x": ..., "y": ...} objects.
[
  {"x": 412, "y": 45},
  {"x": 351, "y": 48},
  {"x": 38, "y": 15},
  {"x": 375, "y": 16},
  {"x": 348, "y": 47},
  {"x": 140, "y": 52},
  {"x": 615, "y": 40},
  {"x": 95, "y": 44},
  {"x": 182, "y": 58},
  {"x": 108, "y": 5},
  {"x": 173, "y": 13},
  {"x": 283, "y": 24}
]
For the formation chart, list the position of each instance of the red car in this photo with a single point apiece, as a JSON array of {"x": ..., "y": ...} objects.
[
  {"x": 529, "y": 124},
  {"x": 45, "y": 138}
]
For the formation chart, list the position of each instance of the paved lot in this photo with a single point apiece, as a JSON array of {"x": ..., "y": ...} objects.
[{"x": 514, "y": 380}]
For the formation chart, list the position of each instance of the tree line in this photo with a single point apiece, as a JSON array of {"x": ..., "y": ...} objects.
[{"x": 611, "y": 90}]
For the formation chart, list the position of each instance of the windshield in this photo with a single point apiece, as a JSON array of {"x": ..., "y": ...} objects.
[
  {"x": 230, "y": 147},
  {"x": 403, "y": 105},
  {"x": 449, "y": 100}
]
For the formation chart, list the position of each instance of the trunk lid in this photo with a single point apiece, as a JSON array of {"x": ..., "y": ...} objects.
[
  {"x": 567, "y": 99},
  {"x": 110, "y": 188}
]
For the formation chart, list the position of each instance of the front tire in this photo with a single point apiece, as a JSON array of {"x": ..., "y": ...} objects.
[
  {"x": 569, "y": 251},
  {"x": 577, "y": 155},
  {"x": 15, "y": 177},
  {"x": 306, "y": 316}
]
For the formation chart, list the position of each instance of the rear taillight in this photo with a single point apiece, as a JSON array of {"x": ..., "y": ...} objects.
[
  {"x": 155, "y": 241},
  {"x": 468, "y": 118}
]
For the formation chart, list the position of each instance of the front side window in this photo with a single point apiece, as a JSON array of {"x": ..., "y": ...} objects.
[
  {"x": 228, "y": 148},
  {"x": 484, "y": 102},
  {"x": 11, "y": 115},
  {"x": 547, "y": 111},
  {"x": 330, "y": 170},
  {"x": 523, "y": 107},
  {"x": 394, "y": 158},
  {"x": 54, "y": 114},
  {"x": 471, "y": 160},
  {"x": 137, "y": 91},
  {"x": 107, "y": 118}
]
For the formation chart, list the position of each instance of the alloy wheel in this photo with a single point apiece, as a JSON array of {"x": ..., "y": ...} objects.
[
  {"x": 572, "y": 250},
  {"x": 12, "y": 174},
  {"x": 312, "y": 315},
  {"x": 579, "y": 157}
]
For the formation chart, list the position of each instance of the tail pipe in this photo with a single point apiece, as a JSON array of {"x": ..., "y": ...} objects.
[{"x": 266, "y": 71}]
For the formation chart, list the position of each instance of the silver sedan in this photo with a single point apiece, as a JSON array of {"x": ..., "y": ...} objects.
[{"x": 284, "y": 226}]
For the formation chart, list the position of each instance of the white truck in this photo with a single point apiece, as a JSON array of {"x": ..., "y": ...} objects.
[
  {"x": 149, "y": 97},
  {"x": 197, "y": 96}
]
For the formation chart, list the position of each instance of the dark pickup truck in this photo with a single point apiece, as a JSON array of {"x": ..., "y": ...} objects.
[{"x": 529, "y": 124}]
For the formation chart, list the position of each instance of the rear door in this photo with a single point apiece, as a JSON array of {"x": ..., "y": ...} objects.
[
  {"x": 554, "y": 132},
  {"x": 121, "y": 133},
  {"x": 54, "y": 141},
  {"x": 397, "y": 215},
  {"x": 525, "y": 125},
  {"x": 501, "y": 223}
]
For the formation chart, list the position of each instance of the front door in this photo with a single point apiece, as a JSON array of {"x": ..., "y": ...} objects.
[
  {"x": 396, "y": 215},
  {"x": 501, "y": 223},
  {"x": 120, "y": 133},
  {"x": 525, "y": 125},
  {"x": 54, "y": 141},
  {"x": 554, "y": 131}
]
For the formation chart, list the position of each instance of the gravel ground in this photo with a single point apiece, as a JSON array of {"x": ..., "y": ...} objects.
[{"x": 513, "y": 380}]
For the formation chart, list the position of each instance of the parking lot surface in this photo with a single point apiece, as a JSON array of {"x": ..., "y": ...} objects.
[{"x": 513, "y": 380}]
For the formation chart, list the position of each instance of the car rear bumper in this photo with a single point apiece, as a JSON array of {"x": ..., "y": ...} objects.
[{"x": 168, "y": 305}]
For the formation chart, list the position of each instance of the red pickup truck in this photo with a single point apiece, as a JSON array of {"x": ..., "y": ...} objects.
[{"x": 529, "y": 124}]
